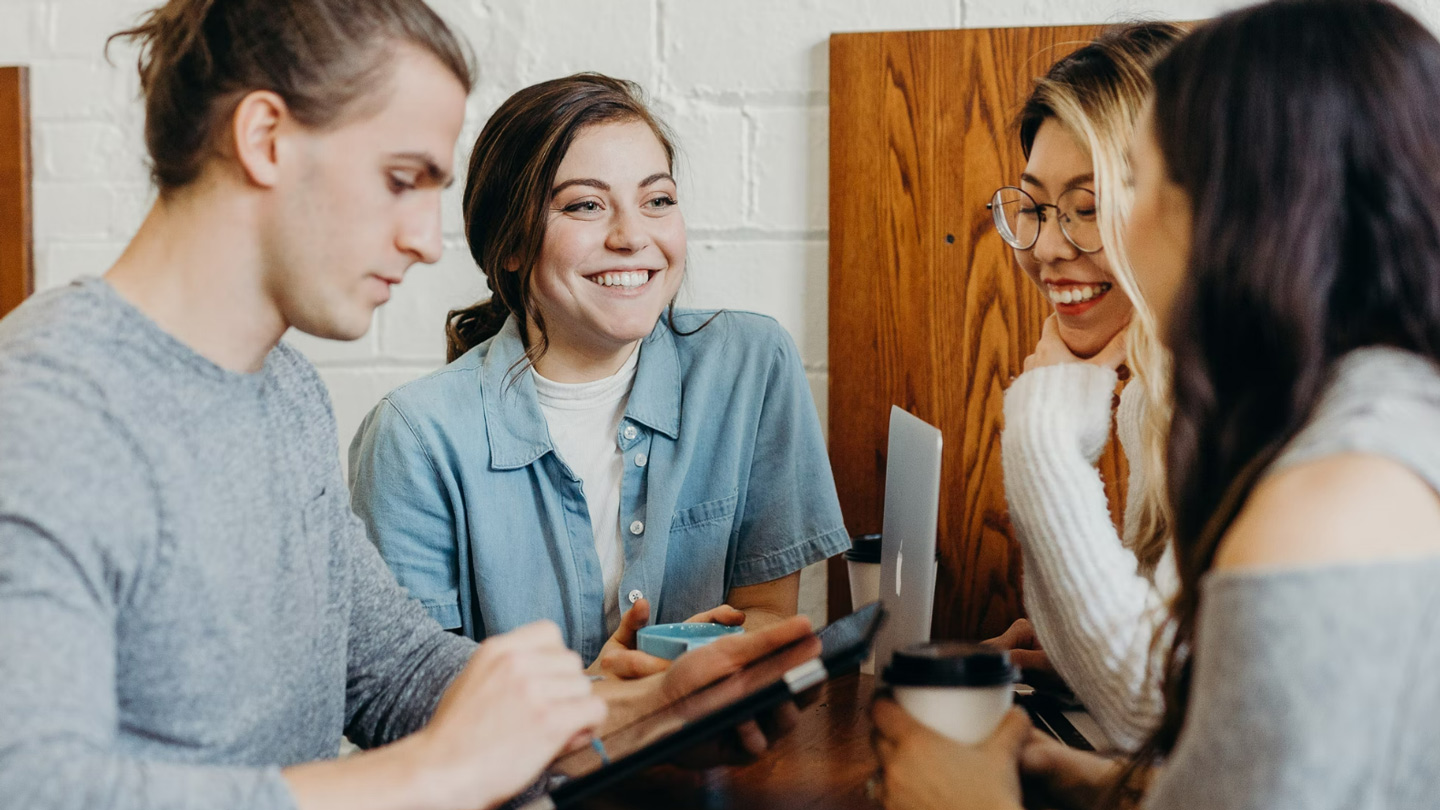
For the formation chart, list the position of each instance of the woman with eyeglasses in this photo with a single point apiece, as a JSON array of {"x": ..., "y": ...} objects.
[
  {"x": 1094, "y": 596},
  {"x": 1285, "y": 232}
]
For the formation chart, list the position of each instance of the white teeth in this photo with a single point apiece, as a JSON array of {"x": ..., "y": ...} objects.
[
  {"x": 1076, "y": 295},
  {"x": 627, "y": 280}
]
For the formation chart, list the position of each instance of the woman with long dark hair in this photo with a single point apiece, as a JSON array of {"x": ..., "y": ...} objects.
[
  {"x": 1286, "y": 232},
  {"x": 592, "y": 451}
]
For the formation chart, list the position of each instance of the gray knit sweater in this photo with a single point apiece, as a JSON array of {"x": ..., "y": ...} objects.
[
  {"x": 1315, "y": 688},
  {"x": 187, "y": 603}
]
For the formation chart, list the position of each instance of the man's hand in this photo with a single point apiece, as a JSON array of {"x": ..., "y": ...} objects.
[
  {"x": 701, "y": 667},
  {"x": 923, "y": 770},
  {"x": 619, "y": 658},
  {"x": 718, "y": 659},
  {"x": 520, "y": 701}
]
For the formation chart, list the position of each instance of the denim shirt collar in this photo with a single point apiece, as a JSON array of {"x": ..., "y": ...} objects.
[{"x": 514, "y": 422}]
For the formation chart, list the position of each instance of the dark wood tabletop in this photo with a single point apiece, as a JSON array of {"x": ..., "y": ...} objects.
[{"x": 823, "y": 763}]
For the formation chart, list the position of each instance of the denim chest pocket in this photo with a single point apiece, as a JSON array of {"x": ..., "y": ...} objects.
[
  {"x": 696, "y": 571},
  {"x": 716, "y": 515}
]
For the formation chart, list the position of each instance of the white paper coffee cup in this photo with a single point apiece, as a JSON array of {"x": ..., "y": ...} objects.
[
  {"x": 862, "y": 562},
  {"x": 960, "y": 690},
  {"x": 864, "y": 583}
]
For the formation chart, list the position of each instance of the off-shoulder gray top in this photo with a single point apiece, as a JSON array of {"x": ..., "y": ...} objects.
[{"x": 1315, "y": 688}]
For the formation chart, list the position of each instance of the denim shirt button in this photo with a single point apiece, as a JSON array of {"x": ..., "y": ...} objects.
[
  {"x": 637, "y": 527},
  {"x": 640, "y": 459},
  {"x": 630, "y": 432},
  {"x": 635, "y": 596}
]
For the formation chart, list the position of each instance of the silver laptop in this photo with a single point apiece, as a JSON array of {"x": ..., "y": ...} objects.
[{"x": 907, "y": 550}]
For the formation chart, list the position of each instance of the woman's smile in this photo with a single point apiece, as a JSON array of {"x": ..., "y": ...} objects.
[
  {"x": 624, "y": 281},
  {"x": 1075, "y": 298}
]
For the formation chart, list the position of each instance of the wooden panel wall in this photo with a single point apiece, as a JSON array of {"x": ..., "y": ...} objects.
[
  {"x": 16, "y": 252},
  {"x": 928, "y": 309}
]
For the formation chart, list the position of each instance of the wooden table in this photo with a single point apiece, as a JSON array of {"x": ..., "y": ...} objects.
[{"x": 823, "y": 764}]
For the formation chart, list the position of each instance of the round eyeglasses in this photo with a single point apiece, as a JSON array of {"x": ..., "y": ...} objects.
[{"x": 1019, "y": 218}]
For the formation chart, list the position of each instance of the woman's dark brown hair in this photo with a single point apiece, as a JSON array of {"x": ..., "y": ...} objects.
[
  {"x": 1304, "y": 133},
  {"x": 508, "y": 193},
  {"x": 199, "y": 58}
]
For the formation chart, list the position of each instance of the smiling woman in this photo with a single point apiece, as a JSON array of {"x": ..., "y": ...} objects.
[
  {"x": 613, "y": 255},
  {"x": 1095, "y": 594},
  {"x": 591, "y": 449}
]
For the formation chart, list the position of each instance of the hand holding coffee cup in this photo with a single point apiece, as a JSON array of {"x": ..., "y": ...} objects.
[{"x": 960, "y": 690}]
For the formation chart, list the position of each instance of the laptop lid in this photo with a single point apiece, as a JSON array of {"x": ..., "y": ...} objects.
[{"x": 907, "y": 550}]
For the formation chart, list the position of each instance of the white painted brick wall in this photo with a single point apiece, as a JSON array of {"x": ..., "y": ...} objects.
[{"x": 743, "y": 83}]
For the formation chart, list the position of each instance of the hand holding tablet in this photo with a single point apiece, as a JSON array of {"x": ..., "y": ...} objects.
[{"x": 727, "y": 685}]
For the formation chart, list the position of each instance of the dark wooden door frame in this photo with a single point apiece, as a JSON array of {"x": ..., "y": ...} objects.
[{"x": 17, "y": 263}]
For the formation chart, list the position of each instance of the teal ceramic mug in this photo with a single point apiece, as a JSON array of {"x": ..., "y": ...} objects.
[{"x": 670, "y": 641}]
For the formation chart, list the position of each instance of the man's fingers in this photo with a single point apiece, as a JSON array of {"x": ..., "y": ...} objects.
[
  {"x": 582, "y": 716},
  {"x": 565, "y": 686}
]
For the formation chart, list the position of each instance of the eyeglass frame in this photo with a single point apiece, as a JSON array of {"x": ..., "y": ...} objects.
[{"x": 1040, "y": 209}]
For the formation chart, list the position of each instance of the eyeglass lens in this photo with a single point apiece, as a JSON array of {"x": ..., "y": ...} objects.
[{"x": 1018, "y": 218}]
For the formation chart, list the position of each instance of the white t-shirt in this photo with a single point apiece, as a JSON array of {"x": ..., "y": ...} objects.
[{"x": 584, "y": 421}]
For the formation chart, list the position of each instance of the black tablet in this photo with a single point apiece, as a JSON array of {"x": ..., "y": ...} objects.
[{"x": 659, "y": 736}]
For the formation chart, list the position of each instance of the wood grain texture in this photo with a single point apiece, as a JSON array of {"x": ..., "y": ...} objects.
[
  {"x": 928, "y": 309},
  {"x": 16, "y": 251}
]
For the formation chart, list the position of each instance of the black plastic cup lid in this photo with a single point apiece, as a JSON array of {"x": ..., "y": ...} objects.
[
  {"x": 950, "y": 663},
  {"x": 864, "y": 548}
]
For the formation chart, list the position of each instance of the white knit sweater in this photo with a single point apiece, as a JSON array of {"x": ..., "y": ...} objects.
[{"x": 1093, "y": 612}]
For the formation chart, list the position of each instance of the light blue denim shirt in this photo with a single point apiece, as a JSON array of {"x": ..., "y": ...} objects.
[{"x": 481, "y": 520}]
